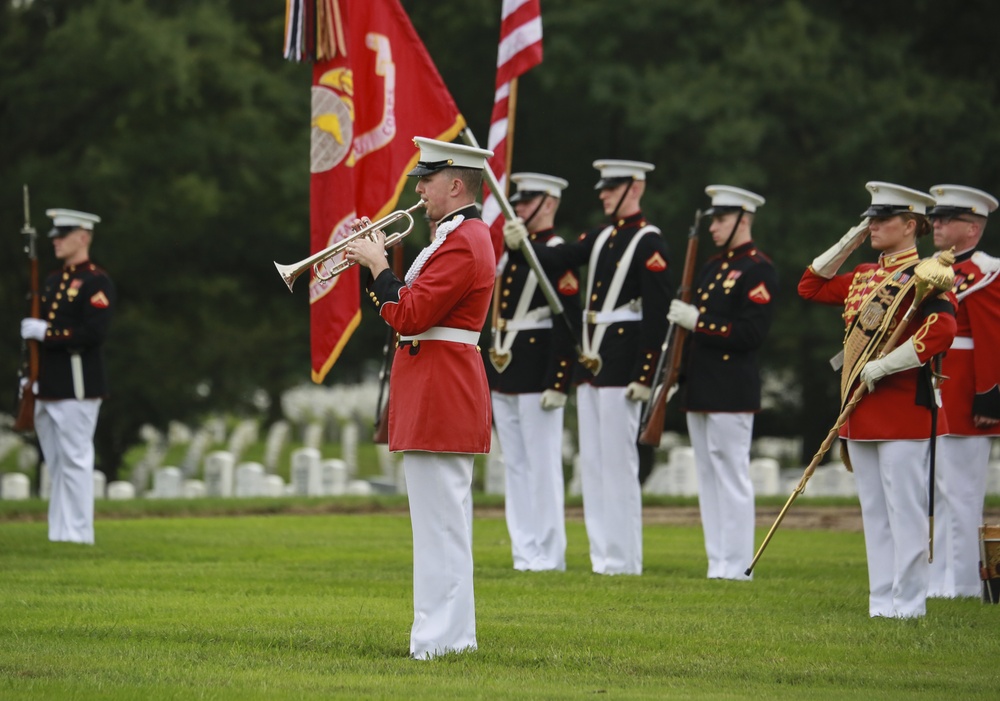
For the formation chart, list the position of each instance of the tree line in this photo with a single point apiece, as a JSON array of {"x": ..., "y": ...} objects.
[{"x": 182, "y": 126}]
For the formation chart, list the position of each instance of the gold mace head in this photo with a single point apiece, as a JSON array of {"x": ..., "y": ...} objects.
[{"x": 937, "y": 272}]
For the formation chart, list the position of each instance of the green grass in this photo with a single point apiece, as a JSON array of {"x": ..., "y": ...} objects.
[{"x": 318, "y": 606}]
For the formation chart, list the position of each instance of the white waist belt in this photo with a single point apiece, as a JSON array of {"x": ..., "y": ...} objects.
[
  {"x": 525, "y": 324},
  {"x": 963, "y": 343},
  {"x": 613, "y": 317},
  {"x": 445, "y": 333}
]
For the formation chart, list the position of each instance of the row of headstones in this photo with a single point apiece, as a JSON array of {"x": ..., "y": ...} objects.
[
  {"x": 311, "y": 475},
  {"x": 678, "y": 477}
]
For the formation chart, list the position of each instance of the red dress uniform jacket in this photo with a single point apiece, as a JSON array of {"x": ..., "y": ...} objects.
[
  {"x": 439, "y": 400},
  {"x": 972, "y": 365},
  {"x": 895, "y": 410}
]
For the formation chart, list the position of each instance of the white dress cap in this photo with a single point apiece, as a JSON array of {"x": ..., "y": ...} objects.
[
  {"x": 889, "y": 199},
  {"x": 958, "y": 199},
  {"x": 438, "y": 155},
  {"x": 531, "y": 185},
  {"x": 727, "y": 197},
  {"x": 72, "y": 218},
  {"x": 614, "y": 173}
]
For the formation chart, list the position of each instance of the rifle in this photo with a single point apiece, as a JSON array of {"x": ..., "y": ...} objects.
[
  {"x": 669, "y": 363},
  {"x": 25, "y": 416},
  {"x": 549, "y": 292},
  {"x": 381, "y": 436}
]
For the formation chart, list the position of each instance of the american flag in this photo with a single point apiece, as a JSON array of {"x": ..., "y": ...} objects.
[{"x": 520, "y": 50}]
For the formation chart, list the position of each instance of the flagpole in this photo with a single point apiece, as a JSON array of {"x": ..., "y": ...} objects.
[{"x": 511, "y": 116}]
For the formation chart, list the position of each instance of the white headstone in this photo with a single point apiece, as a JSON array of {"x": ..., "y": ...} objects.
[
  {"x": 100, "y": 484},
  {"x": 993, "y": 478},
  {"x": 273, "y": 486},
  {"x": 683, "y": 475},
  {"x": 277, "y": 436},
  {"x": 167, "y": 483},
  {"x": 194, "y": 489},
  {"x": 219, "y": 473},
  {"x": 349, "y": 446},
  {"x": 575, "y": 486},
  {"x": 495, "y": 481},
  {"x": 360, "y": 488},
  {"x": 249, "y": 480},
  {"x": 44, "y": 481},
  {"x": 27, "y": 458},
  {"x": 313, "y": 436},
  {"x": 120, "y": 490},
  {"x": 765, "y": 475},
  {"x": 305, "y": 472},
  {"x": 334, "y": 477},
  {"x": 15, "y": 486}
]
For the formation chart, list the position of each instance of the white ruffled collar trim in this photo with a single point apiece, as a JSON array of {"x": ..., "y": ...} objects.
[{"x": 442, "y": 233}]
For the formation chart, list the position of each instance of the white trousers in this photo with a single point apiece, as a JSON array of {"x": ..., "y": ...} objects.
[
  {"x": 609, "y": 476},
  {"x": 439, "y": 488},
  {"x": 960, "y": 489},
  {"x": 892, "y": 485},
  {"x": 531, "y": 441},
  {"x": 721, "y": 445},
  {"x": 65, "y": 430}
]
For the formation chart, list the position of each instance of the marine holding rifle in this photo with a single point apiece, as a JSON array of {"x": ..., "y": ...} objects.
[
  {"x": 624, "y": 323},
  {"x": 720, "y": 381},
  {"x": 530, "y": 371},
  {"x": 77, "y": 302},
  {"x": 888, "y": 434}
]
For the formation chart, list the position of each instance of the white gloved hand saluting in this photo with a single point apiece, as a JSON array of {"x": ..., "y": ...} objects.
[
  {"x": 34, "y": 329},
  {"x": 828, "y": 263},
  {"x": 902, "y": 358},
  {"x": 638, "y": 392},
  {"x": 514, "y": 233},
  {"x": 683, "y": 314},
  {"x": 553, "y": 399}
]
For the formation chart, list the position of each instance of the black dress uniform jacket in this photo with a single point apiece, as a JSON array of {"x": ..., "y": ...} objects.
[
  {"x": 630, "y": 349},
  {"x": 541, "y": 359},
  {"x": 735, "y": 297},
  {"x": 77, "y": 301}
]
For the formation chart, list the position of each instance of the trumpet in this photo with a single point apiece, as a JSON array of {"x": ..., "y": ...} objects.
[{"x": 289, "y": 273}]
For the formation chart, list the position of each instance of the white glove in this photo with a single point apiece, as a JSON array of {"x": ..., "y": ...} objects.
[
  {"x": 553, "y": 399},
  {"x": 34, "y": 329},
  {"x": 638, "y": 392},
  {"x": 828, "y": 263},
  {"x": 683, "y": 314},
  {"x": 514, "y": 233},
  {"x": 902, "y": 358}
]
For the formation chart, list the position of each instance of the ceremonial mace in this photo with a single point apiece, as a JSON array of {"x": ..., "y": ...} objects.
[{"x": 931, "y": 273}]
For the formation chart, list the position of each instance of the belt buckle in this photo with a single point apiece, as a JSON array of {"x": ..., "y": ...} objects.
[{"x": 591, "y": 317}]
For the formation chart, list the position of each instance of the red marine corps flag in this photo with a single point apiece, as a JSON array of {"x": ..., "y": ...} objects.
[
  {"x": 520, "y": 49},
  {"x": 374, "y": 88}
]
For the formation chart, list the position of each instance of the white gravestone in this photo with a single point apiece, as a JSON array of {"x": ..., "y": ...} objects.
[
  {"x": 193, "y": 489},
  {"x": 219, "y": 473},
  {"x": 167, "y": 482},
  {"x": 15, "y": 486},
  {"x": 495, "y": 481},
  {"x": 305, "y": 472},
  {"x": 120, "y": 490},
  {"x": 313, "y": 436},
  {"x": 333, "y": 477},
  {"x": 765, "y": 475},
  {"x": 277, "y": 436},
  {"x": 683, "y": 474},
  {"x": 349, "y": 446},
  {"x": 273, "y": 486},
  {"x": 249, "y": 480},
  {"x": 100, "y": 484}
]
